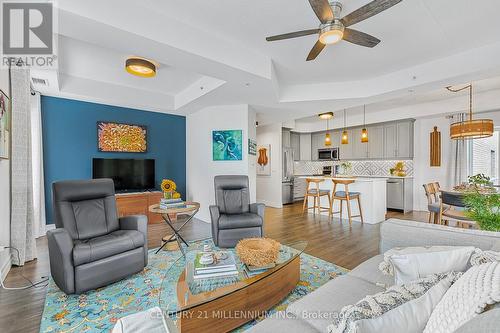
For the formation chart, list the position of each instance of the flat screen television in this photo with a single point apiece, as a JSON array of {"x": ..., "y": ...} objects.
[{"x": 127, "y": 174}]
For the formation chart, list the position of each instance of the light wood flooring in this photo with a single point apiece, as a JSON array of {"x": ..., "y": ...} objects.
[{"x": 330, "y": 240}]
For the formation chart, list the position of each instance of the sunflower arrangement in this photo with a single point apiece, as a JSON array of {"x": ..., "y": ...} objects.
[{"x": 169, "y": 188}]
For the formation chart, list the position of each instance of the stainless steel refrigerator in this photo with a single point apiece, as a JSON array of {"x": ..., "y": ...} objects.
[{"x": 287, "y": 180}]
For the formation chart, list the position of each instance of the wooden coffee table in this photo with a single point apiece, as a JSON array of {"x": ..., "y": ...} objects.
[{"x": 224, "y": 308}]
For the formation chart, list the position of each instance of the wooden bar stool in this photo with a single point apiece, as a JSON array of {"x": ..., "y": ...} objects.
[
  {"x": 432, "y": 191},
  {"x": 316, "y": 193},
  {"x": 345, "y": 196}
]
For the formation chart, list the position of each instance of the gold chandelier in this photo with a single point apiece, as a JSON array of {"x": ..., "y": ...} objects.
[{"x": 472, "y": 128}]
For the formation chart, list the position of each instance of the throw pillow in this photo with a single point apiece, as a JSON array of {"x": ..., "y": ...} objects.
[
  {"x": 482, "y": 257},
  {"x": 469, "y": 296},
  {"x": 411, "y": 263},
  {"x": 401, "y": 308}
]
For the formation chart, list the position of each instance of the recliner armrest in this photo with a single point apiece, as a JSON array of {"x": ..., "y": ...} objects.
[
  {"x": 258, "y": 208},
  {"x": 214, "y": 216},
  {"x": 139, "y": 223},
  {"x": 61, "y": 259}
]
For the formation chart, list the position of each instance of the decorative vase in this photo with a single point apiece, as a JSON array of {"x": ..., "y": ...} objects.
[{"x": 168, "y": 195}]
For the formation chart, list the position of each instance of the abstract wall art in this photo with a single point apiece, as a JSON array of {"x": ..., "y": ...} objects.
[
  {"x": 227, "y": 145},
  {"x": 4, "y": 125},
  {"x": 115, "y": 137}
]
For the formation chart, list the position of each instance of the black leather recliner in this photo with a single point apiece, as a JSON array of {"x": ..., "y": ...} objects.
[
  {"x": 233, "y": 217},
  {"x": 91, "y": 247}
]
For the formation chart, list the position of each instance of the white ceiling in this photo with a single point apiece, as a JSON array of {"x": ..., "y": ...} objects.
[{"x": 215, "y": 53}]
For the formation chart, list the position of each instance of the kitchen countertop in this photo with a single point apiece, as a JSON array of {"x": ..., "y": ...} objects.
[{"x": 355, "y": 176}]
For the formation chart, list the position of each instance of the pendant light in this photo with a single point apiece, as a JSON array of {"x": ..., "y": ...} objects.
[
  {"x": 345, "y": 137},
  {"x": 364, "y": 131},
  {"x": 327, "y": 116},
  {"x": 472, "y": 128}
]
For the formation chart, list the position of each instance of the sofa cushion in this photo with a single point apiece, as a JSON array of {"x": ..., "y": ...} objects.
[
  {"x": 320, "y": 307},
  {"x": 282, "y": 322},
  {"x": 97, "y": 248},
  {"x": 245, "y": 220},
  {"x": 370, "y": 272},
  {"x": 485, "y": 322}
]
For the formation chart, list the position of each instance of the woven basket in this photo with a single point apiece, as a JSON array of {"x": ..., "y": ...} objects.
[{"x": 258, "y": 251}]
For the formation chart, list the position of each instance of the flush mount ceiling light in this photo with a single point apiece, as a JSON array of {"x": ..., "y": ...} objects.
[
  {"x": 140, "y": 67},
  {"x": 472, "y": 128},
  {"x": 326, "y": 115},
  {"x": 332, "y": 33}
]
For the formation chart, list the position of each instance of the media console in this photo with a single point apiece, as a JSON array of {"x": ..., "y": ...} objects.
[{"x": 138, "y": 203}]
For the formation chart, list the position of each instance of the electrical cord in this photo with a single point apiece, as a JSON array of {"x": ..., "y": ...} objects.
[{"x": 32, "y": 284}]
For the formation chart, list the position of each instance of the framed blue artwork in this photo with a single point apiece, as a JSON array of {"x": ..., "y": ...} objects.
[{"x": 227, "y": 145}]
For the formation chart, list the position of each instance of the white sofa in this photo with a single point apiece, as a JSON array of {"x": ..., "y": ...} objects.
[{"x": 314, "y": 312}]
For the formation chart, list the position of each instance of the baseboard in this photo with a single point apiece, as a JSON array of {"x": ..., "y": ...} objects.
[
  {"x": 49, "y": 227},
  {"x": 271, "y": 203},
  {"x": 5, "y": 267}
]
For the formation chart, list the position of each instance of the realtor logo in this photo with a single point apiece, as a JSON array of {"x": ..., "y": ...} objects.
[
  {"x": 27, "y": 28},
  {"x": 28, "y": 34}
]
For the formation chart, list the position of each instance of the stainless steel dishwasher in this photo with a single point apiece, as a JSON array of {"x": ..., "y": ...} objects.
[{"x": 400, "y": 194}]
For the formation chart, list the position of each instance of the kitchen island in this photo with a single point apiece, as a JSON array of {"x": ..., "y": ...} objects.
[{"x": 372, "y": 194}]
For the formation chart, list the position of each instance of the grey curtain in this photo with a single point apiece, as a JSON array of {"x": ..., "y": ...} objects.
[
  {"x": 21, "y": 224},
  {"x": 458, "y": 165}
]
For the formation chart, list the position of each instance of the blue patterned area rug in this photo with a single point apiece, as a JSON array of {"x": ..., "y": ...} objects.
[{"x": 98, "y": 310}]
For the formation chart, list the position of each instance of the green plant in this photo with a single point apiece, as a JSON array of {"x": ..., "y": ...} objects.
[
  {"x": 484, "y": 209},
  {"x": 480, "y": 180}
]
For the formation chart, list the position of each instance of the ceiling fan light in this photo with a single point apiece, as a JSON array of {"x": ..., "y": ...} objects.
[
  {"x": 140, "y": 67},
  {"x": 332, "y": 33}
]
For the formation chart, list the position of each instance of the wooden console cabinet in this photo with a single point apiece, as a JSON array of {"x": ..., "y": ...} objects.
[{"x": 138, "y": 203}]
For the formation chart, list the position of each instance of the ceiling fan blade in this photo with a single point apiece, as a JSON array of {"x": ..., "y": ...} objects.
[
  {"x": 315, "y": 51},
  {"x": 322, "y": 10},
  {"x": 360, "y": 38},
  {"x": 368, "y": 10},
  {"x": 293, "y": 35}
]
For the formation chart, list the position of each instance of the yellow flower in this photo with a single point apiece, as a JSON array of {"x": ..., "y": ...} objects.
[
  {"x": 176, "y": 195},
  {"x": 168, "y": 185}
]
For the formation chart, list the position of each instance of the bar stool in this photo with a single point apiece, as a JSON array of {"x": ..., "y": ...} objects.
[
  {"x": 345, "y": 196},
  {"x": 316, "y": 193}
]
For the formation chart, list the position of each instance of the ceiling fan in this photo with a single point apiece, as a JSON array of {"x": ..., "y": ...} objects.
[{"x": 333, "y": 29}]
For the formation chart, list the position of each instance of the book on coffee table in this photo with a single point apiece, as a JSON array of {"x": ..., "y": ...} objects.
[{"x": 221, "y": 268}]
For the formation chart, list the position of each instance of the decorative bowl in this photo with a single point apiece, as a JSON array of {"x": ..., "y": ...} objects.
[{"x": 258, "y": 251}]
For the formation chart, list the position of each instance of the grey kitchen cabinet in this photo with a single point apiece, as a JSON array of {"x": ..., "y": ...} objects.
[
  {"x": 346, "y": 150},
  {"x": 359, "y": 149},
  {"x": 295, "y": 144},
  {"x": 299, "y": 188},
  {"x": 375, "y": 141},
  {"x": 317, "y": 142},
  {"x": 398, "y": 139},
  {"x": 404, "y": 139},
  {"x": 390, "y": 140},
  {"x": 305, "y": 147}
]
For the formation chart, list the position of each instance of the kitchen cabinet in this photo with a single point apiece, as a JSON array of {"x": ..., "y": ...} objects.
[
  {"x": 390, "y": 140},
  {"x": 295, "y": 144},
  {"x": 285, "y": 138},
  {"x": 347, "y": 151},
  {"x": 375, "y": 141},
  {"x": 317, "y": 142},
  {"x": 359, "y": 149},
  {"x": 404, "y": 139},
  {"x": 299, "y": 188},
  {"x": 305, "y": 147}
]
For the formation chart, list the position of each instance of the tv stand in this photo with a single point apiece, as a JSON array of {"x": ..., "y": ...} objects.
[{"x": 137, "y": 203}]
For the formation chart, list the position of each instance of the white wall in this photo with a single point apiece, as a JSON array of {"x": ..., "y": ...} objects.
[
  {"x": 422, "y": 171},
  {"x": 269, "y": 187},
  {"x": 201, "y": 169},
  {"x": 4, "y": 194}
]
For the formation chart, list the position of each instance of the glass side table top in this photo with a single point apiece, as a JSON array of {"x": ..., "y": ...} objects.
[{"x": 180, "y": 292}]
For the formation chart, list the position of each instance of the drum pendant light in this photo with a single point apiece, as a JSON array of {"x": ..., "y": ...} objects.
[{"x": 472, "y": 128}]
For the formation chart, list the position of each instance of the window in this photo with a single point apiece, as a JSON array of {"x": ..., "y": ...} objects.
[{"x": 484, "y": 156}]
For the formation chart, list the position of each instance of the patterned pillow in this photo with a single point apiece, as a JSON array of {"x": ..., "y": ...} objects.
[
  {"x": 412, "y": 303},
  {"x": 468, "y": 297},
  {"x": 482, "y": 257}
]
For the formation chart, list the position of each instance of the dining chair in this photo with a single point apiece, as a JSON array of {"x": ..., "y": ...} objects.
[
  {"x": 316, "y": 193},
  {"x": 452, "y": 208},
  {"x": 433, "y": 203},
  {"x": 346, "y": 196}
]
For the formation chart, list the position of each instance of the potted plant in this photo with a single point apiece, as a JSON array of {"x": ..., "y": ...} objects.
[{"x": 482, "y": 203}]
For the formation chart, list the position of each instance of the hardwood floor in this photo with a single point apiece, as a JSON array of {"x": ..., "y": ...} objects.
[{"x": 330, "y": 240}]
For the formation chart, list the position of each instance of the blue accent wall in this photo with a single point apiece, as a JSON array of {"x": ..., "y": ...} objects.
[{"x": 70, "y": 141}]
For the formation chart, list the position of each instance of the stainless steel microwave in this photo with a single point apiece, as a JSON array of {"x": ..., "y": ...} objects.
[{"x": 328, "y": 154}]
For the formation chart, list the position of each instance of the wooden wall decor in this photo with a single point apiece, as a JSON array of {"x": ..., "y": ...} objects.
[{"x": 435, "y": 155}]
